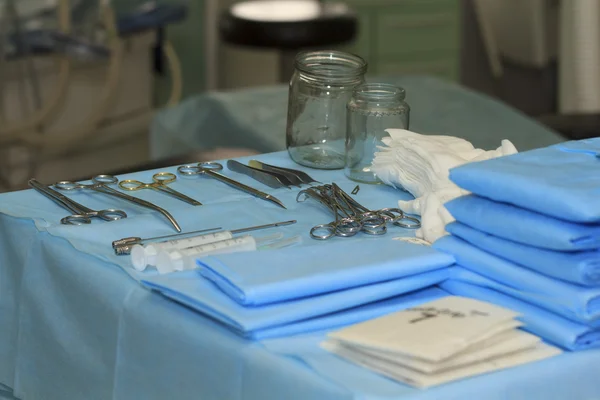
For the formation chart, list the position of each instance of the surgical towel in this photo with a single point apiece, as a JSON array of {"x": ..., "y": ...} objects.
[
  {"x": 547, "y": 325},
  {"x": 290, "y": 317},
  {"x": 581, "y": 267},
  {"x": 576, "y": 302},
  {"x": 562, "y": 181},
  {"x": 523, "y": 226},
  {"x": 297, "y": 272}
]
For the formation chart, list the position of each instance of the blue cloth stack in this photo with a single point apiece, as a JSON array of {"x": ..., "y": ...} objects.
[
  {"x": 529, "y": 235},
  {"x": 261, "y": 295}
]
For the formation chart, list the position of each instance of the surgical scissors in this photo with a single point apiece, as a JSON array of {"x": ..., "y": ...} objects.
[
  {"x": 81, "y": 214},
  {"x": 99, "y": 184},
  {"x": 160, "y": 181},
  {"x": 210, "y": 168},
  {"x": 350, "y": 216}
]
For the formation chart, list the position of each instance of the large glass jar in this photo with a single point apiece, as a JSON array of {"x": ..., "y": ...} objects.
[
  {"x": 320, "y": 89},
  {"x": 374, "y": 107}
]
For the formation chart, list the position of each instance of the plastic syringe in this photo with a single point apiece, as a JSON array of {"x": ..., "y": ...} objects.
[
  {"x": 179, "y": 260},
  {"x": 142, "y": 256}
]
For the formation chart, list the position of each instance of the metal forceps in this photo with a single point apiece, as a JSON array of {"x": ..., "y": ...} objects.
[
  {"x": 210, "y": 168},
  {"x": 160, "y": 181},
  {"x": 394, "y": 215},
  {"x": 99, "y": 184},
  {"x": 344, "y": 226},
  {"x": 81, "y": 214}
]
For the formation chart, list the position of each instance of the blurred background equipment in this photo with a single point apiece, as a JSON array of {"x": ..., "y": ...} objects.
[
  {"x": 289, "y": 27},
  {"x": 76, "y": 84},
  {"x": 81, "y": 80}
]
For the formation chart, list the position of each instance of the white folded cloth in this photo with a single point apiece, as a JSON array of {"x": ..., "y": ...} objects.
[{"x": 420, "y": 164}]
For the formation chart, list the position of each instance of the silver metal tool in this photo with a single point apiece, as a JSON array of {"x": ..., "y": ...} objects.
[
  {"x": 209, "y": 168},
  {"x": 299, "y": 176},
  {"x": 270, "y": 179},
  {"x": 81, "y": 214},
  {"x": 159, "y": 183},
  {"x": 352, "y": 217},
  {"x": 99, "y": 184},
  {"x": 123, "y": 246}
]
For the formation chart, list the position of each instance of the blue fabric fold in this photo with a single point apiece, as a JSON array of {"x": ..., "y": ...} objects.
[
  {"x": 290, "y": 317},
  {"x": 572, "y": 301},
  {"x": 523, "y": 226},
  {"x": 562, "y": 181},
  {"x": 582, "y": 267},
  {"x": 547, "y": 325},
  {"x": 292, "y": 273}
]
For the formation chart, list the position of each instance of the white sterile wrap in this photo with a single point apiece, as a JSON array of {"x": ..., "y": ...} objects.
[{"x": 420, "y": 164}]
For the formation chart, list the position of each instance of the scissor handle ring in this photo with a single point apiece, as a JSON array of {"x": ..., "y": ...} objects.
[
  {"x": 373, "y": 220},
  {"x": 415, "y": 225},
  {"x": 112, "y": 215},
  {"x": 67, "y": 185},
  {"x": 347, "y": 227},
  {"x": 105, "y": 179},
  {"x": 210, "y": 165},
  {"x": 379, "y": 230},
  {"x": 132, "y": 184},
  {"x": 76, "y": 219},
  {"x": 329, "y": 228},
  {"x": 164, "y": 177}
]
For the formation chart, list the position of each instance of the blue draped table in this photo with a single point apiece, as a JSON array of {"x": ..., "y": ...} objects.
[{"x": 75, "y": 325}]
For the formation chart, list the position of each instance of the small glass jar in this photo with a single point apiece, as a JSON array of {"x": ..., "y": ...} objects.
[
  {"x": 319, "y": 91},
  {"x": 373, "y": 108}
]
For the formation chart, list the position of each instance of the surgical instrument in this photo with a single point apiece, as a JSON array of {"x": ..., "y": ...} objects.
[
  {"x": 292, "y": 174},
  {"x": 142, "y": 256},
  {"x": 209, "y": 168},
  {"x": 123, "y": 246},
  {"x": 160, "y": 181},
  {"x": 352, "y": 217},
  {"x": 82, "y": 214},
  {"x": 179, "y": 260},
  {"x": 138, "y": 240},
  {"x": 99, "y": 184},
  {"x": 271, "y": 179},
  {"x": 355, "y": 190}
]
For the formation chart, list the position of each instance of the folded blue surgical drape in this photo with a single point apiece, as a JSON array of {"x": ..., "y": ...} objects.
[
  {"x": 572, "y": 301},
  {"x": 296, "y": 316},
  {"x": 561, "y": 181},
  {"x": 523, "y": 226},
  {"x": 547, "y": 325},
  {"x": 582, "y": 267},
  {"x": 297, "y": 272}
]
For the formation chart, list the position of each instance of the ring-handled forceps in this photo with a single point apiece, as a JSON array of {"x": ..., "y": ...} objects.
[
  {"x": 343, "y": 226},
  {"x": 160, "y": 182},
  {"x": 100, "y": 184},
  {"x": 350, "y": 216},
  {"x": 81, "y": 214},
  {"x": 210, "y": 168}
]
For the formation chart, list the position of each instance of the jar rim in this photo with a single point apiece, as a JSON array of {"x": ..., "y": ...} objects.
[
  {"x": 379, "y": 92},
  {"x": 330, "y": 64}
]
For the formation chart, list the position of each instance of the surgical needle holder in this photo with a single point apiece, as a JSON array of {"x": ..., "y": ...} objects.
[
  {"x": 81, "y": 214},
  {"x": 99, "y": 184},
  {"x": 210, "y": 168}
]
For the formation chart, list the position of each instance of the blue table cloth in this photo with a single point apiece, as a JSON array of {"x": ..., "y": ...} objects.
[{"x": 77, "y": 326}]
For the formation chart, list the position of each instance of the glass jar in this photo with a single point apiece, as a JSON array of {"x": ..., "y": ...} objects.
[
  {"x": 319, "y": 91},
  {"x": 373, "y": 108}
]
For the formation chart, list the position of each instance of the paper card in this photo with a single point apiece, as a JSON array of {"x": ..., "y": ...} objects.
[
  {"x": 420, "y": 380},
  {"x": 433, "y": 331},
  {"x": 499, "y": 345}
]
